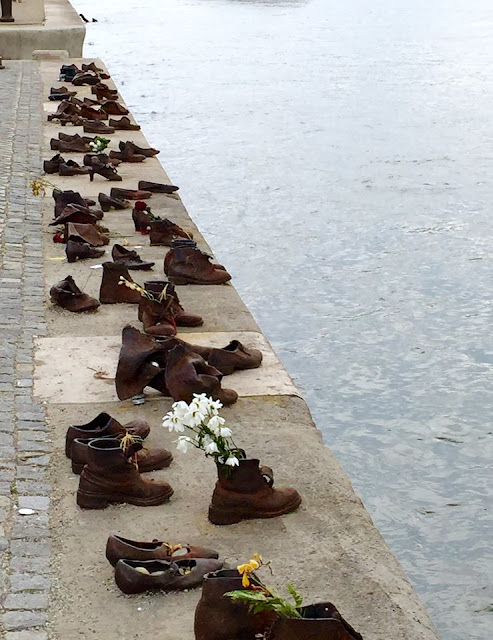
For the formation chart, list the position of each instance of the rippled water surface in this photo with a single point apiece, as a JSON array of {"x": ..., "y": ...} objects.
[{"x": 338, "y": 156}]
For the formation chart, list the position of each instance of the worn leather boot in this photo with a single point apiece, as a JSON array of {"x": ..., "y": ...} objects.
[
  {"x": 103, "y": 426},
  {"x": 246, "y": 492},
  {"x": 141, "y": 360},
  {"x": 189, "y": 265},
  {"x": 65, "y": 108},
  {"x": 163, "y": 232},
  {"x": 111, "y": 477},
  {"x": 130, "y": 259},
  {"x": 81, "y": 251},
  {"x": 234, "y": 357},
  {"x": 91, "y": 113},
  {"x": 63, "y": 91},
  {"x": 217, "y": 617},
  {"x": 130, "y": 194},
  {"x": 111, "y": 291},
  {"x": 181, "y": 317},
  {"x": 157, "y": 317},
  {"x": 102, "y": 90},
  {"x": 106, "y": 203},
  {"x": 146, "y": 459},
  {"x": 320, "y": 621},
  {"x": 157, "y": 187},
  {"x": 97, "y": 126},
  {"x": 143, "y": 151},
  {"x": 66, "y": 294},
  {"x": 188, "y": 373},
  {"x": 113, "y": 108},
  {"x": 86, "y": 233},
  {"x": 124, "y": 124},
  {"x": 137, "y": 576},
  {"x": 118, "y": 548}
]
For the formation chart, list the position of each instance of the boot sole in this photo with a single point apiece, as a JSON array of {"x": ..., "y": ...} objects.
[
  {"x": 87, "y": 500},
  {"x": 178, "y": 280},
  {"x": 220, "y": 516}
]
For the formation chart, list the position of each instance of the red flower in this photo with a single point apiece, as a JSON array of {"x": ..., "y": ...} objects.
[
  {"x": 58, "y": 237},
  {"x": 140, "y": 206}
]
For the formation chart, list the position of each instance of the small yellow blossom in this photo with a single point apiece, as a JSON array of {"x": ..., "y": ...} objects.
[{"x": 246, "y": 569}]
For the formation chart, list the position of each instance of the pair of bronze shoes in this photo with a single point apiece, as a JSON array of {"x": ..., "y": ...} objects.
[
  {"x": 178, "y": 369},
  {"x": 157, "y": 565}
]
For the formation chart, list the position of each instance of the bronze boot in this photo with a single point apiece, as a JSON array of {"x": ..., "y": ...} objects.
[
  {"x": 77, "y": 213},
  {"x": 86, "y": 233},
  {"x": 66, "y": 294},
  {"x": 142, "y": 221},
  {"x": 113, "y": 108},
  {"x": 63, "y": 198},
  {"x": 181, "y": 317},
  {"x": 103, "y": 426},
  {"x": 189, "y": 265},
  {"x": 320, "y": 621},
  {"x": 146, "y": 459},
  {"x": 188, "y": 373},
  {"x": 81, "y": 251},
  {"x": 113, "y": 290},
  {"x": 157, "y": 317},
  {"x": 111, "y": 477},
  {"x": 141, "y": 360},
  {"x": 246, "y": 491},
  {"x": 130, "y": 194},
  {"x": 218, "y": 617},
  {"x": 127, "y": 155},
  {"x": 163, "y": 232}
]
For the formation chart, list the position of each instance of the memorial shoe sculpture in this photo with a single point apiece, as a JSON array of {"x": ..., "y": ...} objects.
[
  {"x": 118, "y": 548},
  {"x": 244, "y": 490}
]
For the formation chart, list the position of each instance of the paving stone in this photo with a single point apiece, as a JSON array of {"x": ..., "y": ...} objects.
[
  {"x": 26, "y": 601},
  {"x": 26, "y": 635},
  {"x": 29, "y": 582},
  {"x": 13, "y": 620},
  {"x": 38, "y": 503}
]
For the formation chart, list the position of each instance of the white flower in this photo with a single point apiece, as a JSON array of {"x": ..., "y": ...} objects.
[
  {"x": 214, "y": 406},
  {"x": 184, "y": 443},
  {"x": 232, "y": 461},
  {"x": 225, "y": 432},
  {"x": 195, "y": 419},
  {"x": 211, "y": 447},
  {"x": 171, "y": 422},
  {"x": 215, "y": 424}
]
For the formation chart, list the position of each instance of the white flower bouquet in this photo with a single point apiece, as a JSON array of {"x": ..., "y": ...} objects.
[{"x": 207, "y": 430}]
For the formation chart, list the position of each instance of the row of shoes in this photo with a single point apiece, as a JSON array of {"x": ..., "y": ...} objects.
[{"x": 110, "y": 457}]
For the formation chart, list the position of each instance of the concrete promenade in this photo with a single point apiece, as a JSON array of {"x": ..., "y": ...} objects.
[{"x": 57, "y": 583}]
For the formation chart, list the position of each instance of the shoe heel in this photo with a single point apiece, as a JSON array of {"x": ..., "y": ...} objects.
[
  {"x": 220, "y": 517},
  {"x": 91, "y": 176},
  {"x": 91, "y": 501}
]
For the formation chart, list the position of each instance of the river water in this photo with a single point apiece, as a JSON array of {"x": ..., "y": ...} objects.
[{"x": 338, "y": 156}]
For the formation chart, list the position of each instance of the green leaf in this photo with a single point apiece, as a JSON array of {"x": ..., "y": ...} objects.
[{"x": 297, "y": 597}]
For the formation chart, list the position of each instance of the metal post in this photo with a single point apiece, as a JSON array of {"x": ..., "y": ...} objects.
[
  {"x": 6, "y": 11},
  {"x": 2, "y": 66}
]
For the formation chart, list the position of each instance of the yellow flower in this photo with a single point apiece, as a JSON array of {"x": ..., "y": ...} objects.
[{"x": 246, "y": 569}]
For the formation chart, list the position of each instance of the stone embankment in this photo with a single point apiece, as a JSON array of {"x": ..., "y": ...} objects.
[{"x": 329, "y": 548}]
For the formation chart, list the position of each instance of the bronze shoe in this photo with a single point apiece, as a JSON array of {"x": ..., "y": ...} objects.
[
  {"x": 79, "y": 214},
  {"x": 97, "y": 126},
  {"x": 147, "y": 152},
  {"x": 181, "y": 317},
  {"x": 234, "y": 357},
  {"x": 86, "y": 233},
  {"x": 53, "y": 165},
  {"x": 321, "y": 620},
  {"x": 71, "y": 168},
  {"x": 124, "y": 124},
  {"x": 127, "y": 155},
  {"x": 189, "y": 265},
  {"x": 106, "y": 203},
  {"x": 164, "y": 231},
  {"x": 130, "y": 259},
  {"x": 188, "y": 373},
  {"x": 164, "y": 576},
  {"x": 130, "y": 194},
  {"x": 157, "y": 187},
  {"x": 113, "y": 108},
  {"x": 66, "y": 294},
  {"x": 81, "y": 251},
  {"x": 108, "y": 171},
  {"x": 146, "y": 460},
  {"x": 103, "y": 426},
  {"x": 118, "y": 548}
]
